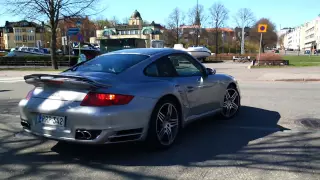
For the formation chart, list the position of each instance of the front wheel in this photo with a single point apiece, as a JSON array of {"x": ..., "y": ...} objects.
[
  {"x": 231, "y": 103},
  {"x": 164, "y": 125}
]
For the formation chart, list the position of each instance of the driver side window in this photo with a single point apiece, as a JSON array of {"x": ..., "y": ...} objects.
[{"x": 185, "y": 66}]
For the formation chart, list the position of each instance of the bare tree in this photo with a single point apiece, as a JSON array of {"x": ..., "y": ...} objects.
[
  {"x": 101, "y": 22},
  {"x": 175, "y": 20},
  {"x": 114, "y": 21},
  {"x": 219, "y": 15},
  {"x": 192, "y": 14},
  {"x": 197, "y": 17},
  {"x": 54, "y": 11},
  {"x": 244, "y": 18},
  {"x": 125, "y": 20}
]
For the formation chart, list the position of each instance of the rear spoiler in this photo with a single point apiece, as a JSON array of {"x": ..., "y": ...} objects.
[{"x": 60, "y": 79}]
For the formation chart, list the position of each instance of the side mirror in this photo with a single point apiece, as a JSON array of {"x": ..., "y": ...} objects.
[{"x": 210, "y": 71}]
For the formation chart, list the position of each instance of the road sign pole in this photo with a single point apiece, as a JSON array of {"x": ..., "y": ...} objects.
[
  {"x": 69, "y": 49},
  {"x": 260, "y": 49}
]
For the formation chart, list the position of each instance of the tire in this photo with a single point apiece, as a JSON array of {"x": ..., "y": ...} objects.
[
  {"x": 158, "y": 132},
  {"x": 231, "y": 103}
]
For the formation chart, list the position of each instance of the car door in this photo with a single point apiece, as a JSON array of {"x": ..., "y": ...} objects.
[{"x": 196, "y": 84}]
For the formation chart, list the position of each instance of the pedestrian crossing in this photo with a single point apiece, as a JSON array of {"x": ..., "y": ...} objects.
[{"x": 11, "y": 79}]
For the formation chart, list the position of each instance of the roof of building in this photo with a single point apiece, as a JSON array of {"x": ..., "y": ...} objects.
[
  {"x": 23, "y": 23},
  {"x": 136, "y": 15}
]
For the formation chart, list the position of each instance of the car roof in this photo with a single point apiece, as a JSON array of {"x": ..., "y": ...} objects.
[{"x": 146, "y": 51}]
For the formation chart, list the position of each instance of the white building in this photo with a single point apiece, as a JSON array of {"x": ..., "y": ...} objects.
[
  {"x": 292, "y": 39},
  {"x": 304, "y": 37},
  {"x": 283, "y": 31},
  {"x": 311, "y": 34}
]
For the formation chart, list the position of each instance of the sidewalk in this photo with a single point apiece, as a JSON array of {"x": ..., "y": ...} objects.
[
  {"x": 242, "y": 73},
  {"x": 290, "y": 77},
  {"x": 238, "y": 70}
]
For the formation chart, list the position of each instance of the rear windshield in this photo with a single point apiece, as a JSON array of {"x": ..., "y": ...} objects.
[{"x": 111, "y": 63}]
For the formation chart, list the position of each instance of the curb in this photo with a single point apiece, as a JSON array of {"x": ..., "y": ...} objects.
[{"x": 297, "y": 80}]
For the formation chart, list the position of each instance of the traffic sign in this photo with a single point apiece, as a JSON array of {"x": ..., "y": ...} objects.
[
  {"x": 78, "y": 24},
  {"x": 262, "y": 28},
  {"x": 80, "y": 37},
  {"x": 73, "y": 31}
]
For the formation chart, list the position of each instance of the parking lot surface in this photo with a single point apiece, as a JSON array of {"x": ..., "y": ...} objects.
[{"x": 275, "y": 136}]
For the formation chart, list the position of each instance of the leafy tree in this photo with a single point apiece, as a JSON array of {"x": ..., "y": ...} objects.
[{"x": 269, "y": 38}]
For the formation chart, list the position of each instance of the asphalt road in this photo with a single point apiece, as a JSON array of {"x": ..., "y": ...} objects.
[{"x": 266, "y": 141}]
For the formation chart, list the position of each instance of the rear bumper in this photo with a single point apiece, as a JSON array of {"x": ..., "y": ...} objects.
[{"x": 112, "y": 124}]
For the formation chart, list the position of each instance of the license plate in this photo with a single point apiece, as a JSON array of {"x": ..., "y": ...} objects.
[{"x": 51, "y": 120}]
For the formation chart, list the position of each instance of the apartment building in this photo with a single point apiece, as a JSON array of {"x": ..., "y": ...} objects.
[
  {"x": 293, "y": 38},
  {"x": 1, "y": 39},
  {"x": 304, "y": 37},
  {"x": 22, "y": 33}
]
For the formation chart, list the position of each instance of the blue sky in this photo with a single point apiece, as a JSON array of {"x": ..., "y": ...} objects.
[{"x": 287, "y": 13}]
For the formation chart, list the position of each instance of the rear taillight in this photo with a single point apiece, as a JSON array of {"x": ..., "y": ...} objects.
[
  {"x": 29, "y": 94},
  {"x": 103, "y": 99}
]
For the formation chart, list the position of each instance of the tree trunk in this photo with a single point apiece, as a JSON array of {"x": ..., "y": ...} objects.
[
  {"x": 177, "y": 35},
  {"x": 54, "y": 49},
  {"x": 217, "y": 42}
]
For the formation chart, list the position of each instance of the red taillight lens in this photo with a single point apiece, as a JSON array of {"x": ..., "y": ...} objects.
[
  {"x": 29, "y": 94},
  {"x": 102, "y": 99}
]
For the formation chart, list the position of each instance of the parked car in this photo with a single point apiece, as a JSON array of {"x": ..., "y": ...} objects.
[{"x": 127, "y": 95}]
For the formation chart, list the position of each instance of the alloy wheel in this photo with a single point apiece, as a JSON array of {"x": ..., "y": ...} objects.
[
  {"x": 167, "y": 124},
  {"x": 231, "y": 103}
]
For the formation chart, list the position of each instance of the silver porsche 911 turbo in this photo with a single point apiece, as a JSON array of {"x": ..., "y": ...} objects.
[{"x": 127, "y": 95}]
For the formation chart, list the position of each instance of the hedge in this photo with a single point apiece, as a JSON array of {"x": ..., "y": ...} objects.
[{"x": 37, "y": 61}]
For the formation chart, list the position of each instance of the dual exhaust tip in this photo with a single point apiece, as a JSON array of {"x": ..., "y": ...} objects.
[{"x": 84, "y": 135}]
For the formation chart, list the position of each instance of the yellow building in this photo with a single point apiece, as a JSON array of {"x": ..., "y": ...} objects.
[
  {"x": 1, "y": 39},
  {"x": 135, "y": 28},
  {"x": 22, "y": 33}
]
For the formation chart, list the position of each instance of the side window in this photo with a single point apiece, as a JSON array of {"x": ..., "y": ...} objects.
[
  {"x": 185, "y": 66},
  {"x": 152, "y": 70},
  {"x": 160, "y": 68}
]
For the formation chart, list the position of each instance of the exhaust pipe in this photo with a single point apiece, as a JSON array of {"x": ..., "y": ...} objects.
[
  {"x": 83, "y": 134},
  {"x": 25, "y": 124},
  {"x": 87, "y": 134}
]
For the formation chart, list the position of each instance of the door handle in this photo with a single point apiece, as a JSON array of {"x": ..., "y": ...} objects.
[{"x": 190, "y": 87}]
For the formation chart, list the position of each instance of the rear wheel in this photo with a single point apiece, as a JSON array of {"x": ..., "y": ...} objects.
[
  {"x": 164, "y": 125},
  {"x": 231, "y": 103}
]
